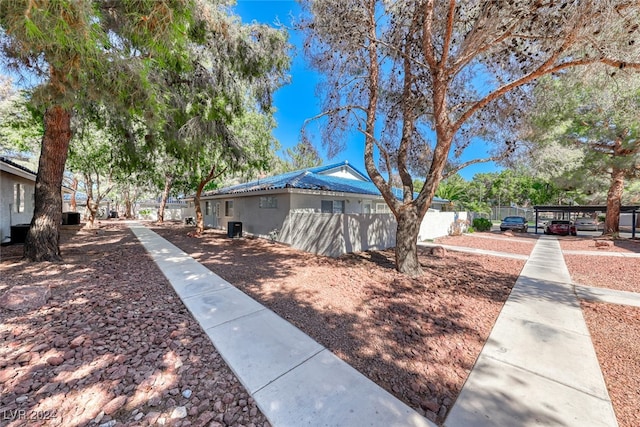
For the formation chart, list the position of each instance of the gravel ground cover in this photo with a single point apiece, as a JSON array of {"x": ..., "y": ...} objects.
[
  {"x": 615, "y": 331},
  {"x": 587, "y": 243},
  {"x": 514, "y": 243},
  {"x": 622, "y": 274},
  {"x": 115, "y": 345}
]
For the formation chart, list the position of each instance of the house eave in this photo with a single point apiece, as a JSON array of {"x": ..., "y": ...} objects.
[
  {"x": 287, "y": 190},
  {"x": 5, "y": 167}
]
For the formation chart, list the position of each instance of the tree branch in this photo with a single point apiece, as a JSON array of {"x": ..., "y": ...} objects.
[
  {"x": 427, "y": 36},
  {"x": 461, "y": 166},
  {"x": 448, "y": 33}
]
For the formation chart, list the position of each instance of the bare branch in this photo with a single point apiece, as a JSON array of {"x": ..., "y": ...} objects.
[
  {"x": 448, "y": 33},
  {"x": 458, "y": 168}
]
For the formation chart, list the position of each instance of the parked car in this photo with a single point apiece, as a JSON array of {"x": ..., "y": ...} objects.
[
  {"x": 515, "y": 223},
  {"x": 542, "y": 223},
  {"x": 560, "y": 227},
  {"x": 587, "y": 224}
]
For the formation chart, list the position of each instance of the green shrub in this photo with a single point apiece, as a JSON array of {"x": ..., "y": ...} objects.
[{"x": 481, "y": 224}]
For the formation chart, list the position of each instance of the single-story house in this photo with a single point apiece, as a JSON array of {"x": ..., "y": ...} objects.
[
  {"x": 17, "y": 197},
  {"x": 329, "y": 209},
  {"x": 17, "y": 188}
]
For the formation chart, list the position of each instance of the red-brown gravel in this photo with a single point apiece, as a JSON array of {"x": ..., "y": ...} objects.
[
  {"x": 615, "y": 331},
  {"x": 517, "y": 243},
  {"x": 586, "y": 243},
  {"x": 416, "y": 338},
  {"x": 622, "y": 274},
  {"x": 114, "y": 343}
]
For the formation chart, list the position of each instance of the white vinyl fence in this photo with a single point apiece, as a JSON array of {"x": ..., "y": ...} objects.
[{"x": 336, "y": 234}]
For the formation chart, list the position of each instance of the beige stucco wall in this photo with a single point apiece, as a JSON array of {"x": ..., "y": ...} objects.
[
  {"x": 8, "y": 214},
  {"x": 255, "y": 220}
]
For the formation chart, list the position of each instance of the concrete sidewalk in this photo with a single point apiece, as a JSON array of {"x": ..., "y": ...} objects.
[
  {"x": 474, "y": 251},
  {"x": 539, "y": 366},
  {"x": 294, "y": 380},
  {"x": 610, "y": 296}
]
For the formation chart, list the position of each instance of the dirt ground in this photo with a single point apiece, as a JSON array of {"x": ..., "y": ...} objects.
[{"x": 114, "y": 344}]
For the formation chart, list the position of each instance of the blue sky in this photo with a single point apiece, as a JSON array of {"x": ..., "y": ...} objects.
[{"x": 298, "y": 101}]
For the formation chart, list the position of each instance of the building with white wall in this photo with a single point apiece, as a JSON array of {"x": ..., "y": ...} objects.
[
  {"x": 17, "y": 196},
  {"x": 17, "y": 189},
  {"x": 328, "y": 209}
]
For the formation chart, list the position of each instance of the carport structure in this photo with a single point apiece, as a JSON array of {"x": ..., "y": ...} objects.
[{"x": 564, "y": 209}]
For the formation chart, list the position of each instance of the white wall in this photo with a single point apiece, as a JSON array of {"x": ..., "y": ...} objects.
[
  {"x": 342, "y": 172},
  {"x": 311, "y": 202},
  {"x": 297, "y": 221},
  {"x": 438, "y": 224},
  {"x": 149, "y": 211},
  {"x": 8, "y": 214},
  {"x": 255, "y": 220},
  {"x": 626, "y": 218},
  {"x": 336, "y": 234}
]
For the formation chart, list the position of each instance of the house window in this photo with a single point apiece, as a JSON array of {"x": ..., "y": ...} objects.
[
  {"x": 382, "y": 208},
  {"x": 228, "y": 208},
  {"x": 268, "y": 202},
  {"x": 207, "y": 208},
  {"x": 18, "y": 197},
  {"x": 332, "y": 206}
]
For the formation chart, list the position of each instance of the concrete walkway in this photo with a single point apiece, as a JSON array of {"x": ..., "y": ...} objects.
[
  {"x": 539, "y": 366},
  {"x": 610, "y": 296},
  {"x": 613, "y": 254},
  {"x": 474, "y": 251},
  {"x": 294, "y": 380}
]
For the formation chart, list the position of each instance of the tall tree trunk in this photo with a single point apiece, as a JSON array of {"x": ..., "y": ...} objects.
[
  {"x": 43, "y": 239},
  {"x": 92, "y": 209},
  {"x": 168, "y": 182},
  {"x": 128, "y": 209},
  {"x": 407, "y": 241},
  {"x": 127, "y": 203},
  {"x": 92, "y": 206},
  {"x": 74, "y": 202},
  {"x": 196, "y": 201},
  {"x": 614, "y": 201}
]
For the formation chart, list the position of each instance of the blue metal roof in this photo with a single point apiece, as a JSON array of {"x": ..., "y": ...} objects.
[{"x": 313, "y": 179}]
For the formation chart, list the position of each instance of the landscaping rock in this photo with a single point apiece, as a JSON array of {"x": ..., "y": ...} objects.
[
  {"x": 603, "y": 244},
  {"x": 25, "y": 297},
  {"x": 179, "y": 413},
  {"x": 55, "y": 360},
  {"x": 438, "y": 251},
  {"x": 114, "y": 405}
]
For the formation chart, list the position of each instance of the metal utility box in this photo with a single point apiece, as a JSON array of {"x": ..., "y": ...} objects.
[
  {"x": 19, "y": 233},
  {"x": 70, "y": 218},
  {"x": 234, "y": 229}
]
